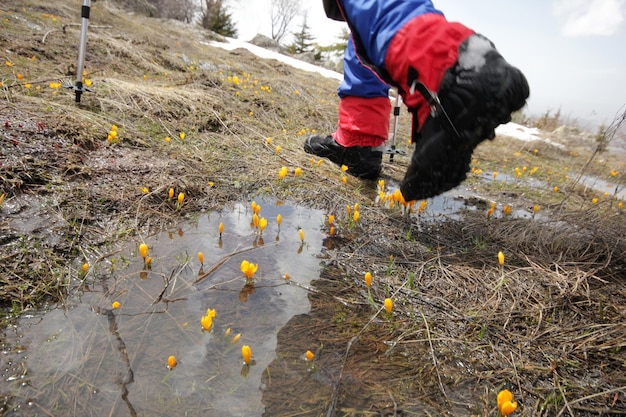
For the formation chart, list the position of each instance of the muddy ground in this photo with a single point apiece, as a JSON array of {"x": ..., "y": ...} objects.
[{"x": 549, "y": 324}]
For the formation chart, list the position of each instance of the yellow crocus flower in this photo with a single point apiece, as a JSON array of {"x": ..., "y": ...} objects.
[
  {"x": 246, "y": 353},
  {"x": 422, "y": 206},
  {"x": 309, "y": 356},
  {"x": 206, "y": 322},
  {"x": 115, "y": 305},
  {"x": 201, "y": 257},
  {"x": 171, "y": 362},
  {"x": 503, "y": 396},
  {"x": 248, "y": 269},
  {"x": 388, "y": 305},
  {"x": 506, "y": 405},
  {"x": 143, "y": 250},
  {"x": 501, "y": 258},
  {"x": 301, "y": 233},
  {"x": 368, "y": 279}
]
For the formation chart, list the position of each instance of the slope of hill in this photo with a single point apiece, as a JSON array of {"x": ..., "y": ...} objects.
[{"x": 548, "y": 323}]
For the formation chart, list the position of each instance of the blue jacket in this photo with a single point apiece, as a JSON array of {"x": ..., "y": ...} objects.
[{"x": 377, "y": 21}]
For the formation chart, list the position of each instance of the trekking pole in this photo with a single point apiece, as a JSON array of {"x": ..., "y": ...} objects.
[
  {"x": 396, "y": 113},
  {"x": 79, "y": 88}
]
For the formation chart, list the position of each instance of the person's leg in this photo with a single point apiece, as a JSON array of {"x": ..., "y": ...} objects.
[
  {"x": 363, "y": 126},
  {"x": 472, "y": 88}
]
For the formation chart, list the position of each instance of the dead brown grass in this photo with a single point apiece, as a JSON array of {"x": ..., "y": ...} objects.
[{"x": 548, "y": 324}]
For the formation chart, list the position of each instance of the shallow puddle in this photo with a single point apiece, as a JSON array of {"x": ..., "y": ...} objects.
[
  {"x": 602, "y": 186},
  {"x": 87, "y": 358}
]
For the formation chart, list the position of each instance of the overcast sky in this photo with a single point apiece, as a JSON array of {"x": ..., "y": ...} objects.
[{"x": 573, "y": 52}]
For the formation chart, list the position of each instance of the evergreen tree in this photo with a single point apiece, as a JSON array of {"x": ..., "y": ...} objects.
[
  {"x": 331, "y": 55},
  {"x": 303, "y": 40},
  {"x": 216, "y": 17}
]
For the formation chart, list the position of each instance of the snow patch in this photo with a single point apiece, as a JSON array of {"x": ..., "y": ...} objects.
[
  {"x": 231, "y": 44},
  {"x": 523, "y": 133}
]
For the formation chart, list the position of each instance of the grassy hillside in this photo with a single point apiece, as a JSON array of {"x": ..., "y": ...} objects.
[{"x": 548, "y": 323}]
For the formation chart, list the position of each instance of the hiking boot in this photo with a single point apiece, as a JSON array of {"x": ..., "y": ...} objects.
[
  {"x": 439, "y": 162},
  {"x": 478, "y": 93},
  {"x": 362, "y": 161}
]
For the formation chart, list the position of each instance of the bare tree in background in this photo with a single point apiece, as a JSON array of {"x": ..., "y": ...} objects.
[{"x": 283, "y": 12}]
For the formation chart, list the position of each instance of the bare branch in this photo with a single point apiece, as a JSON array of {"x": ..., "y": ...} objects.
[{"x": 283, "y": 12}]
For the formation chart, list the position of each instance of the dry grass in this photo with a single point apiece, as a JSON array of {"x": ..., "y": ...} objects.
[{"x": 548, "y": 324}]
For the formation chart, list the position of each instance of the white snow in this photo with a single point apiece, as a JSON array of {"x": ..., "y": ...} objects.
[
  {"x": 266, "y": 53},
  {"x": 523, "y": 133},
  {"x": 520, "y": 132}
]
